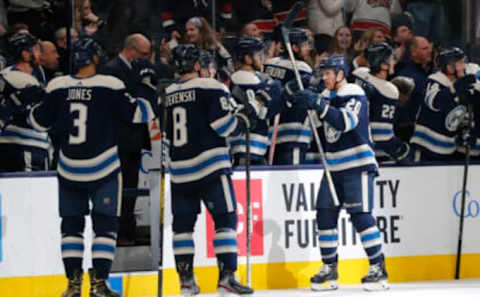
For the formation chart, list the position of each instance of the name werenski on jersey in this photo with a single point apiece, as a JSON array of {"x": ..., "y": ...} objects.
[{"x": 181, "y": 97}]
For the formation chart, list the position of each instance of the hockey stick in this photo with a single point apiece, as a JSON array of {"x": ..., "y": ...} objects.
[
  {"x": 292, "y": 15},
  {"x": 464, "y": 192},
  {"x": 310, "y": 115},
  {"x": 247, "y": 98},
  {"x": 163, "y": 158}
]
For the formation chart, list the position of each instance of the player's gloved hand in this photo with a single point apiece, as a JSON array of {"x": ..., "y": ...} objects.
[
  {"x": 292, "y": 86},
  {"x": 310, "y": 100},
  {"x": 146, "y": 72},
  {"x": 464, "y": 87},
  {"x": 465, "y": 138},
  {"x": 247, "y": 114},
  {"x": 405, "y": 85}
]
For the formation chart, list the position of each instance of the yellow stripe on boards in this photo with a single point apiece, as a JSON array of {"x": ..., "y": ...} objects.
[{"x": 265, "y": 276}]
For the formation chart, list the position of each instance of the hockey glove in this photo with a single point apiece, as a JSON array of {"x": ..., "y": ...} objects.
[
  {"x": 464, "y": 88},
  {"x": 273, "y": 99},
  {"x": 405, "y": 86},
  {"x": 310, "y": 100},
  {"x": 247, "y": 115},
  {"x": 292, "y": 86},
  {"x": 146, "y": 72}
]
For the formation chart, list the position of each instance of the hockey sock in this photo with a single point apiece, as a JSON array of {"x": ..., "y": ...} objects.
[
  {"x": 225, "y": 240},
  {"x": 370, "y": 236},
  {"x": 104, "y": 242},
  {"x": 72, "y": 244},
  {"x": 328, "y": 234},
  {"x": 183, "y": 249}
]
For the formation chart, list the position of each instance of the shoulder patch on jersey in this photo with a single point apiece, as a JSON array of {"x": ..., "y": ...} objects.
[
  {"x": 302, "y": 66},
  {"x": 109, "y": 81},
  {"x": 441, "y": 78},
  {"x": 286, "y": 63},
  {"x": 243, "y": 77},
  {"x": 204, "y": 83},
  {"x": 19, "y": 79},
  {"x": 384, "y": 87},
  {"x": 361, "y": 72},
  {"x": 98, "y": 80},
  {"x": 350, "y": 90}
]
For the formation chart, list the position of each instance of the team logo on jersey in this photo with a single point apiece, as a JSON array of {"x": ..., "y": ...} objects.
[
  {"x": 455, "y": 117},
  {"x": 331, "y": 134}
]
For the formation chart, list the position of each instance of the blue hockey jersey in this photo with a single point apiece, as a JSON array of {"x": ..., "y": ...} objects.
[
  {"x": 348, "y": 145},
  {"x": 382, "y": 97},
  {"x": 439, "y": 118},
  {"x": 200, "y": 118},
  {"x": 259, "y": 135},
  {"x": 18, "y": 131},
  {"x": 86, "y": 114},
  {"x": 294, "y": 129}
]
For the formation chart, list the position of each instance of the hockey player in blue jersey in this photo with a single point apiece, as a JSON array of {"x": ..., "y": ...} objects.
[
  {"x": 383, "y": 99},
  {"x": 249, "y": 52},
  {"x": 343, "y": 109},
  {"x": 442, "y": 112},
  {"x": 293, "y": 137},
  {"x": 85, "y": 111},
  {"x": 21, "y": 147},
  {"x": 199, "y": 118}
]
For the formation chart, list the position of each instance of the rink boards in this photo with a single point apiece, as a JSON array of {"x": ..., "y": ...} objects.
[{"x": 417, "y": 211}]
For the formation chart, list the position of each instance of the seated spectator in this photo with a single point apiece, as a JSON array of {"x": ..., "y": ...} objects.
[{"x": 251, "y": 29}]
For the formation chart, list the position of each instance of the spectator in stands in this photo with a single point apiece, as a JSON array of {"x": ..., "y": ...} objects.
[
  {"x": 257, "y": 12},
  {"x": 342, "y": 43},
  {"x": 28, "y": 12},
  {"x": 61, "y": 42},
  {"x": 200, "y": 33},
  {"x": 367, "y": 14},
  {"x": 401, "y": 33},
  {"x": 324, "y": 18},
  {"x": 420, "y": 56},
  {"x": 87, "y": 23},
  {"x": 3, "y": 18},
  {"x": 251, "y": 29},
  {"x": 430, "y": 19},
  {"x": 133, "y": 137}
]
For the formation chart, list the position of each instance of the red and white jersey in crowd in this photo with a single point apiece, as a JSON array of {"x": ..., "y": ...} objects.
[{"x": 369, "y": 14}]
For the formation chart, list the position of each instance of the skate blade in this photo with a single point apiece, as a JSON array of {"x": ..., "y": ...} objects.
[
  {"x": 382, "y": 285},
  {"x": 327, "y": 286},
  {"x": 223, "y": 292}
]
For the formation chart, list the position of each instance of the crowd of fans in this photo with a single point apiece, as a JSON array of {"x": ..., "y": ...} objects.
[{"x": 416, "y": 29}]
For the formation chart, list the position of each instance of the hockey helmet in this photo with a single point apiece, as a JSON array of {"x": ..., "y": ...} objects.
[
  {"x": 378, "y": 53},
  {"x": 207, "y": 62},
  {"x": 83, "y": 51},
  {"x": 449, "y": 56},
  {"x": 19, "y": 42},
  {"x": 336, "y": 62},
  {"x": 297, "y": 36},
  {"x": 248, "y": 45},
  {"x": 184, "y": 57}
]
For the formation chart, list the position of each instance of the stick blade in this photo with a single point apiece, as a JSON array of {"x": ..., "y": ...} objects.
[{"x": 293, "y": 13}]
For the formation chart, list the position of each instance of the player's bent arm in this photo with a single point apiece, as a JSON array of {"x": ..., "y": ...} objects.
[{"x": 341, "y": 119}]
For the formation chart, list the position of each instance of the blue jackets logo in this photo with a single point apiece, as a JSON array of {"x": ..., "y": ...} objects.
[{"x": 472, "y": 207}]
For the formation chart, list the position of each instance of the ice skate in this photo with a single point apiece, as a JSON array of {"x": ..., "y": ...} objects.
[
  {"x": 99, "y": 287},
  {"x": 74, "y": 288},
  {"x": 188, "y": 286},
  {"x": 376, "y": 278},
  {"x": 325, "y": 279},
  {"x": 227, "y": 284}
]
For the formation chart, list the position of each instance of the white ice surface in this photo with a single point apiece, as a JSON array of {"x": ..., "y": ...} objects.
[{"x": 460, "y": 288}]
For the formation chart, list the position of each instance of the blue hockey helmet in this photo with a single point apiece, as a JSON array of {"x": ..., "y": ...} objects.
[
  {"x": 18, "y": 42},
  {"x": 378, "y": 53},
  {"x": 297, "y": 36},
  {"x": 207, "y": 63},
  {"x": 248, "y": 45},
  {"x": 449, "y": 56},
  {"x": 184, "y": 57},
  {"x": 336, "y": 62},
  {"x": 83, "y": 51}
]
